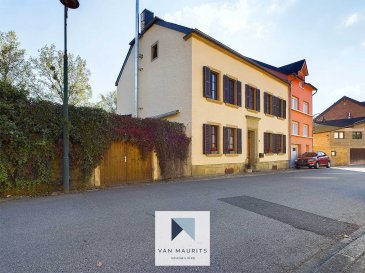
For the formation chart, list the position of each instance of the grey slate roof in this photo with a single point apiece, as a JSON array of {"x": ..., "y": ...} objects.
[
  {"x": 286, "y": 69},
  {"x": 292, "y": 68},
  {"x": 187, "y": 31},
  {"x": 332, "y": 125}
]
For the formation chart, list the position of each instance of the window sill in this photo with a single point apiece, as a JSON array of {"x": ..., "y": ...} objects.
[
  {"x": 232, "y": 105},
  {"x": 281, "y": 118},
  {"x": 214, "y": 101},
  {"x": 269, "y": 115},
  {"x": 252, "y": 111},
  {"x": 232, "y": 155},
  {"x": 213, "y": 155},
  {"x": 297, "y": 110}
]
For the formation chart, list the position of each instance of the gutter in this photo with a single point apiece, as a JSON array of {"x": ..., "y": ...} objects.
[{"x": 289, "y": 123}]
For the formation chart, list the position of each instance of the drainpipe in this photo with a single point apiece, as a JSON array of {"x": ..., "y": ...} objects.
[
  {"x": 289, "y": 104},
  {"x": 136, "y": 57},
  {"x": 315, "y": 92}
]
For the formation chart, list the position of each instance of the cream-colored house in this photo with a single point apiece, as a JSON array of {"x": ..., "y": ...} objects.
[{"x": 187, "y": 76}]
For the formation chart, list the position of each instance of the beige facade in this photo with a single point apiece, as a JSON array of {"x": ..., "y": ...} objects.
[{"x": 174, "y": 81}]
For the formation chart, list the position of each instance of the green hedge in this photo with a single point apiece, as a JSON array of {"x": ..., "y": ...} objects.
[{"x": 31, "y": 138}]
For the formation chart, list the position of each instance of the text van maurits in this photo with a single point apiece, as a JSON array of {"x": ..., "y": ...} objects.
[{"x": 183, "y": 250}]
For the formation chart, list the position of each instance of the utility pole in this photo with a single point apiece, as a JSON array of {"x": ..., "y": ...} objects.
[
  {"x": 73, "y": 4},
  {"x": 136, "y": 62}
]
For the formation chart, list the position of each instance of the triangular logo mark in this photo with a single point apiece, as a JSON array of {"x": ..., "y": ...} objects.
[{"x": 180, "y": 224}]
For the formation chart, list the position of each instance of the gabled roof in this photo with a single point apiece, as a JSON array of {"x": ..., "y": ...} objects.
[
  {"x": 292, "y": 68},
  {"x": 157, "y": 21},
  {"x": 337, "y": 102},
  {"x": 188, "y": 31}
]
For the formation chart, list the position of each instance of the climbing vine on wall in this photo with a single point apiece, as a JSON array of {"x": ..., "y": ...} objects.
[{"x": 31, "y": 138}]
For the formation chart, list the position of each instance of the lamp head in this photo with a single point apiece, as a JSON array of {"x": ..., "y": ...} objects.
[{"x": 72, "y": 4}]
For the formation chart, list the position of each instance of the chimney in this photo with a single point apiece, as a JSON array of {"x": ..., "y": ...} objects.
[
  {"x": 146, "y": 17},
  {"x": 349, "y": 116}
]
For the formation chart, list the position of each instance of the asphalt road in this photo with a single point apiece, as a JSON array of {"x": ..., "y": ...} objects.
[{"x": 260, "y": 223}]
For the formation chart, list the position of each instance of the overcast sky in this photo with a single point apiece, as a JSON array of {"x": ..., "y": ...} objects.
[{"x": 329, "y": 34}]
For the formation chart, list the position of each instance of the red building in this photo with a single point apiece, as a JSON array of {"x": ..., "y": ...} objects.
[{"x": 301, "y": 115}]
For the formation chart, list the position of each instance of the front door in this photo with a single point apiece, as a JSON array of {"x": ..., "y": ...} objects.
[
  {"x": 251, "y": 147},
  {"x": 293, "y": 155}
]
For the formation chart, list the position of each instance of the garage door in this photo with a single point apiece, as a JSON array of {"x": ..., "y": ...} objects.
[{"x": 357, "y": 156}]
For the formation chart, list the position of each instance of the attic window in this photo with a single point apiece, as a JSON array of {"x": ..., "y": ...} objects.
[{"x": 154, "y": 51}]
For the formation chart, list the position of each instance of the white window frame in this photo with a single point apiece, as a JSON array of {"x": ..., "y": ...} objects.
[
  {"x": 305, "y": 130},
  {"x": 295, "y": 124},
  {"x": 337, "y": 135},
  {"x": 306, "y": 108},
  {"x": 294, "y": 102}
]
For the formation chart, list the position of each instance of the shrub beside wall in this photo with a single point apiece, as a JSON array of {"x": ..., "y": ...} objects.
[{"x": 31, "y": 139}]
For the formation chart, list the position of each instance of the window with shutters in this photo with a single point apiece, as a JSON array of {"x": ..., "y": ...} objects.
[
  {"x": 252, "y": 98},
  {"x": 210, "y": 139},
  {"x": 232, "y": 140},
  {"x": 214, "y": 146},
  {"x": 214, "y": 85},
  {"x": 274, "y": 106},
  {"x": 274, "y": 143},
  {"x": 210, "y": 83},
  {"x": 232, "y": 93}
]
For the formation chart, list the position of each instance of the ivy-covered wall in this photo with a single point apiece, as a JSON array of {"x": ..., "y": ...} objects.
[{"x": 31, "y": 139}]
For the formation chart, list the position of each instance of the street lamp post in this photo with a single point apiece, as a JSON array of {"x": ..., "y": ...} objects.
[{"x": 72, "y": 4}]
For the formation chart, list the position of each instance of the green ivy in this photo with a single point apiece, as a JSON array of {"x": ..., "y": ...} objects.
[{"x": 31, "y": 138}]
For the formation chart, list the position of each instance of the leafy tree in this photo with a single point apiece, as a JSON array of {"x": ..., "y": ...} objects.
[
  {"x": 108, "y": 102},
  {"x": 49, "y": 68},
  {"x": 15, "y": 69}
]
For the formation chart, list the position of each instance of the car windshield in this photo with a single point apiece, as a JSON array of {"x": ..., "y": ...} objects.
[{"x": 309, "y": 154}]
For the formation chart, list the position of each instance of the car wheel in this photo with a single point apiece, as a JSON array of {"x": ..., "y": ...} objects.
[
  {"x": 329, "y": 164},
  {"x": 316, "y": 166}
]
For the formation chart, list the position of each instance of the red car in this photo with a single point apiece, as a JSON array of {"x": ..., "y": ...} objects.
[{"x": 313, "y": 160}]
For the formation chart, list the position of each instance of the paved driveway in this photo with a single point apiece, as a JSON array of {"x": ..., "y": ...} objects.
[{"x": 261, "y": 223}]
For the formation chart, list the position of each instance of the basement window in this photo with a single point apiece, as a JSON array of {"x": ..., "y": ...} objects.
[{"x": 154, "y": 51}]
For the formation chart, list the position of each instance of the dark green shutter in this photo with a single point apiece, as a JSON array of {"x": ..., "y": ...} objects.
[
  {"x": 284, "y": 108},
  {"x": 247, "y": 95},
  {"x": 276, "y": 106},
  {"x": 266, "y": 142},
  {"x": 239, "y": 141},
  {"x": 239, "y": 93},
  {"x": 266, "y": 103},
  {"x": 207, "y": 83},
  {"x": 257, "y": 100},
  {"x": 225, "y": 89},
  {"x": 207, "y": 138},
  {"x": 225, "y": 140}
]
